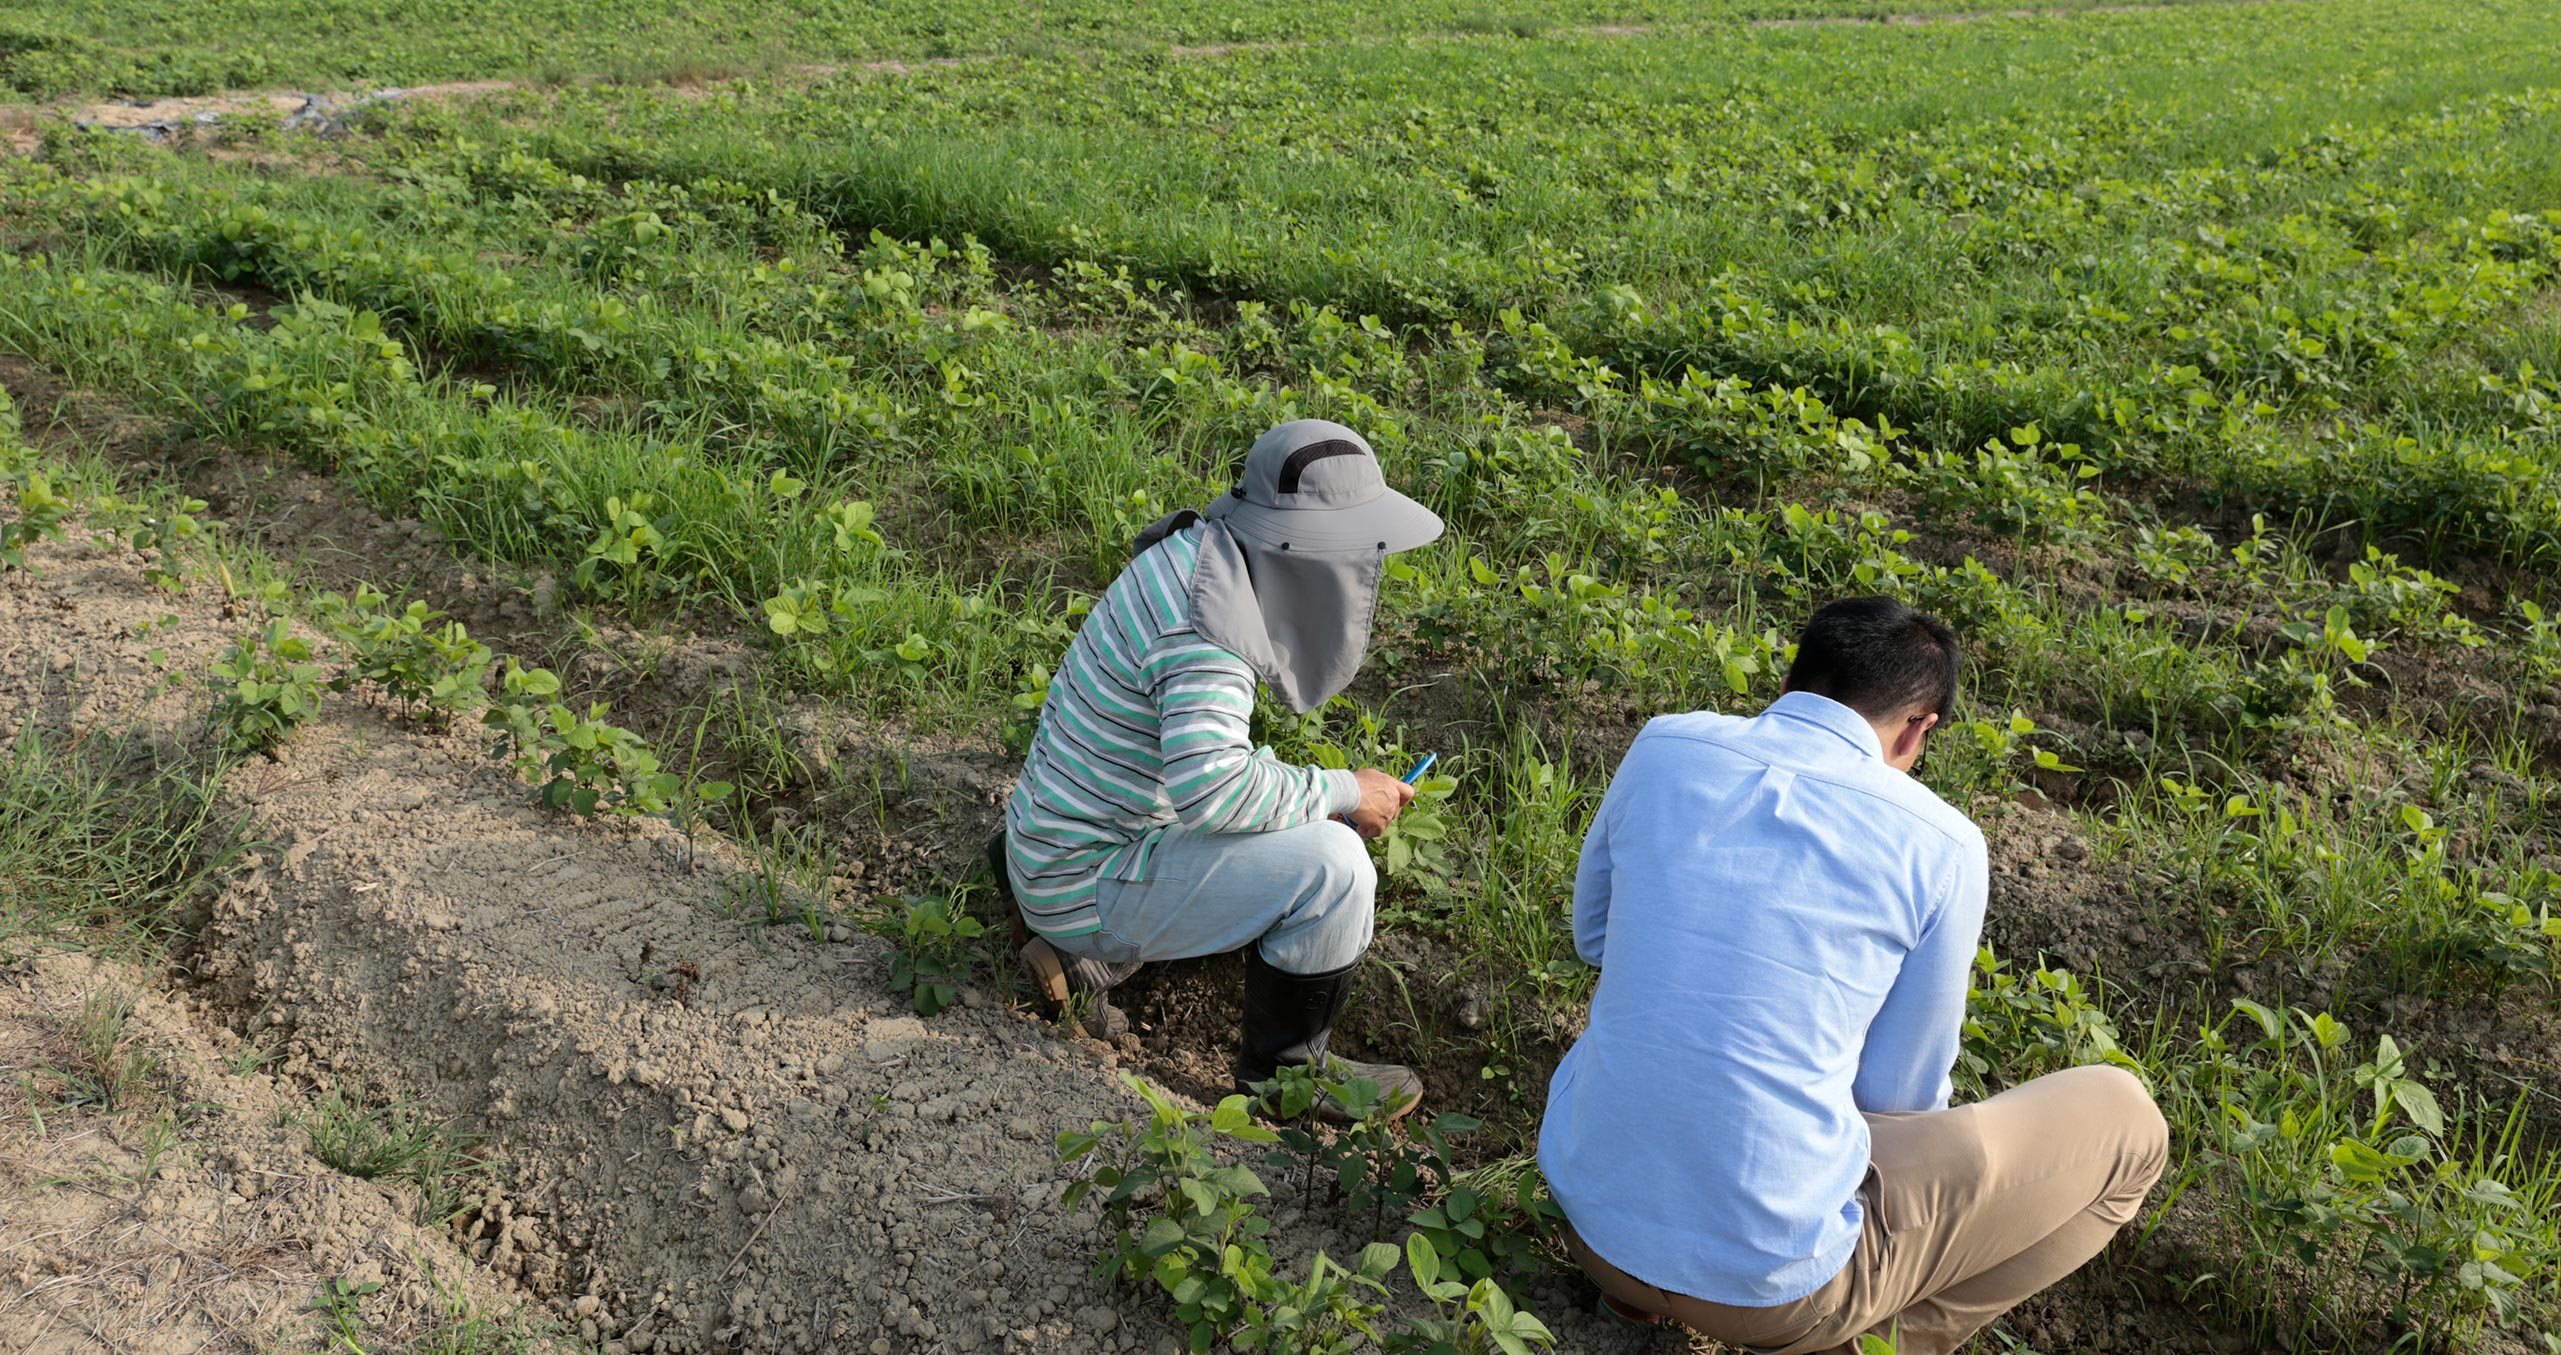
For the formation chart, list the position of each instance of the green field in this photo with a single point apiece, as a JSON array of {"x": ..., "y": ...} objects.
[
  {"x": 2198, "y": 361},
  {"x": 132, "y": 47}
]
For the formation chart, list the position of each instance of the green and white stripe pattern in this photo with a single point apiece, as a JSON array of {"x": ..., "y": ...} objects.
[{"x": 1147, "y": 726}]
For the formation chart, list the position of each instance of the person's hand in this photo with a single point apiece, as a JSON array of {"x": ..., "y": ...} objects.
[{"x": 1383, "y": 797}]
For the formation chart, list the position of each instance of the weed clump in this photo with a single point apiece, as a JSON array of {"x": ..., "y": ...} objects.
[
  {"x": 397, "y": 1142},
  {"x": 105, "y": 844}
]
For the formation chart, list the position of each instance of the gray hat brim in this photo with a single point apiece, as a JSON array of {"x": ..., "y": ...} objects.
[{"x": 1390, "y": 520}]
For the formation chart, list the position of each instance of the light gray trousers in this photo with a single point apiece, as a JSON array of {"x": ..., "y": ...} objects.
[{"x": 1306, "y": 894}]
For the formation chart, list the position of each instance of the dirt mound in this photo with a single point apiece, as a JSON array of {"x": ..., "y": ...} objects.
[
  {"x": 717, "y": 1130},
  {"x": 715, "y": 1133},
  {"x": 2053, "y": 901},
  {"x": 191, "y": 1214}
]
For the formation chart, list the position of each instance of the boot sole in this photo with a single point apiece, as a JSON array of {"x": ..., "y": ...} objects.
[
  {"x": 1403, "y": 1109},
  {"x": 1048, "y": 975}
]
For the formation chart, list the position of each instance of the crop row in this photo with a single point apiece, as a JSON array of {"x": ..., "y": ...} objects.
[
  {"x": 2340, "y": 340},
  {"x": 824, "y": 369},
  {"x": 638, "y": 521},
  {"x": 827, "y": 368},
  {"x": 1985, "y": 216},
  {"x": 2489, "y": 486},
  {"x": 129, "y": 47},
  {"x": 882, "y": 369}
]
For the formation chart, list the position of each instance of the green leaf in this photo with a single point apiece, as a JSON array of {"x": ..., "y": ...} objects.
[
  {"x": 1237, "y": 1182},
  {"x": 2420, "y": 1104},
  {"x": 1378, "y": 1260},
  {"x": 2270, "y": 1024},
  {"x": 1423, "y": 1259},
  {"x": 1231, "y": 1115},
  {"x": 2360, "y": 1161}
]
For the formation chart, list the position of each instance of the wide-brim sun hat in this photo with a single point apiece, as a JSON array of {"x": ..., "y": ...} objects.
[{"x": 1314, "y": 485}]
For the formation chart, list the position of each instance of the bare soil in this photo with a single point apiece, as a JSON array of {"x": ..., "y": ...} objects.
[
  {"x": 198, "y": 1219},
  {"x": 721, "y": 1132}
]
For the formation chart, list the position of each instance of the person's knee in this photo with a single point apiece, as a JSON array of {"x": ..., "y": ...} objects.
[
  {"x": 2131, "y": 1103},
  {"x": 1330, "y": 923},
  {"x": 1343, "y": 870},
  {"x": 1335, "y": 877},
  {"x": 1349, "y": 888},
  {"x": 2120, "y": 1105}
]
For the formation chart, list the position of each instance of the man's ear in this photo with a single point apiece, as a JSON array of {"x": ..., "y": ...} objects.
[{"x": 1909, "y": 739}]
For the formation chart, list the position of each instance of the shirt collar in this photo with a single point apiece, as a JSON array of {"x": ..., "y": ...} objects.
[{"x": 1825, "y": 713}]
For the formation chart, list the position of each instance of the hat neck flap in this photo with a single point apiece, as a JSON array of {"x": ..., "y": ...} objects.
[{"x": 1299, "y": 618}]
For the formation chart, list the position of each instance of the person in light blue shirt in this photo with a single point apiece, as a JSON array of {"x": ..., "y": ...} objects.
[{"x": 1753, "y": 1136}]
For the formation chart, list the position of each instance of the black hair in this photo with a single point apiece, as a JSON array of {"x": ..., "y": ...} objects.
[{"x": 1878, "y": 657}]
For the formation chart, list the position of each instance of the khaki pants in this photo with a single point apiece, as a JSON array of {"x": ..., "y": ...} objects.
[{"x": 1968, "y": 1211}]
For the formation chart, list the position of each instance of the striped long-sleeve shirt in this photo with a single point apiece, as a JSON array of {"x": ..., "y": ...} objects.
[{"x": 1147, "y": 726}]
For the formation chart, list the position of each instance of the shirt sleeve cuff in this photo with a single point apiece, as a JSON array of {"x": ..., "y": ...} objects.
[{"x": 1343, "y": 790}]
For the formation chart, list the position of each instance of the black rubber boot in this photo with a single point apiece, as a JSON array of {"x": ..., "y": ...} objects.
[
  {"x": 1067, "y": 985},
  {"x": 1289, "y": 1019}
]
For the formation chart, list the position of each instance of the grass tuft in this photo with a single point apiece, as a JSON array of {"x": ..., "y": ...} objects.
[
  {"x": 396, "y": 1142},
  {"x": 106, "y": 845},
  {"x": 109, "y": 1069}
]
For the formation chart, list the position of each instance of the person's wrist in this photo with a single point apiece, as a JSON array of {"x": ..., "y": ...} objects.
[{"x": 1344, "y": 787}]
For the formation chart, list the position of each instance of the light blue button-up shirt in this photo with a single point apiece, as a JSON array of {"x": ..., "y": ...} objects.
[{"x": 1784, "y": 926}]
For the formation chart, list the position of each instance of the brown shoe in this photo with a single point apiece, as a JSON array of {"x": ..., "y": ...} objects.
[
  {"x": 1065, "y": 986},
  {"x": 1068, "y": 995}
]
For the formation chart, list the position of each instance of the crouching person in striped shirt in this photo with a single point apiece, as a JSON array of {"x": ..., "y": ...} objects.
[{"x": 1148, "y": 826}]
